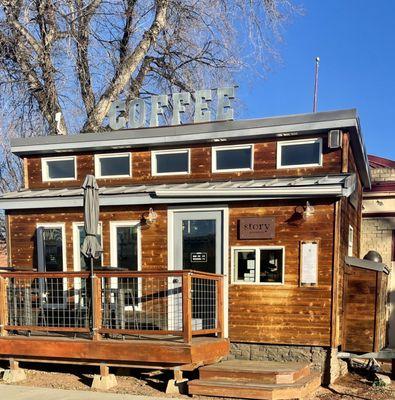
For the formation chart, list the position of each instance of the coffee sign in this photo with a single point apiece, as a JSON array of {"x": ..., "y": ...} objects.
[
  {"x": 138, "y": 113},
  {"x": 257, "y": 228}
]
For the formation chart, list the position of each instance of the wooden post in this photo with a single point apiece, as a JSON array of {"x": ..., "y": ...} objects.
[
  {"x": 187, "y": 307},
  {"x": 3, "y": 306},
  {"x": 96, "y": 307},
  {"x": 220, "y": 307}
]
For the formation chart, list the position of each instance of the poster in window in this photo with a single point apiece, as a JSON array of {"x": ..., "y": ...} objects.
[{"x": 308, "y": 263}]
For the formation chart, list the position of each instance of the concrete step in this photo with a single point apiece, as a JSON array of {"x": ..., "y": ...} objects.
[
  {"x": 271, "y": 372},
  {"x": 306, "y": 386}
]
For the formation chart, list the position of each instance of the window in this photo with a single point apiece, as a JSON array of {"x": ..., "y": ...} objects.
[
  {"x": 170, "y": 162},
  {"x": 299, "y": 153},
  {"x": 58, "y": 169},
  {"x": 82, "y": 263},
  {"x": 51, "y": 257},
  {"x": 233, "y": 158},
  {"x": 258, "y": 265},
  {"x": 125, "y": 245},
  {"x": 350, "y": 241},
  {"x": 112, "y": 165}
]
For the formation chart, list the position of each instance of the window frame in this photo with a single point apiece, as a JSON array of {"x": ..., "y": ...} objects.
[
  {"x": 98, "y": 172},
  {"x": 44, "y": 168},
  {"x": 257, "y": 250},
  {"x": 350, "y": 243},
  {"x": 280, "y": 144},
  {"x": 113, "y": 241},
  {"x": 76, "y": 245},
  {"x": 114, "y": 255},
  {"x": 154, "y": 165},
  {"x": 62, "y": 226},
  {"x": 215, "y": 149}
]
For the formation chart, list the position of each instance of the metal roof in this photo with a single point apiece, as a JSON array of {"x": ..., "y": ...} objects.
[{"x": 293, "y": 187}]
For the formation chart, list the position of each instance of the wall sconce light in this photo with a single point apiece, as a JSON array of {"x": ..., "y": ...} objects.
[
  {"x": 305, "y": 211},
  {"x": 309, "y": 210},
  {"x": 150, "y": 217}
]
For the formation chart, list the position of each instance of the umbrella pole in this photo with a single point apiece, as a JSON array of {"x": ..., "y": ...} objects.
[{"x": 93, "y": 300}]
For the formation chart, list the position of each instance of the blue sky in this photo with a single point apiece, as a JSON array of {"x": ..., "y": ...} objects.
[{"x": 355, "y": 40}]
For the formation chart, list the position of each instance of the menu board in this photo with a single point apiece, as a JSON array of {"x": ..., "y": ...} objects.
[{"x": 309, "y": 263}]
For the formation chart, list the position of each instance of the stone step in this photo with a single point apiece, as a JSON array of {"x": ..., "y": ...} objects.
[
  {"x": 305, "y": 387},
  {"x": 270, "y": 372}
]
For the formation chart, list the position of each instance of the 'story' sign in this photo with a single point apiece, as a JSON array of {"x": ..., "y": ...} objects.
[
  {"x": 257, "y": 228},
  {"x": 135, "y": 114}
]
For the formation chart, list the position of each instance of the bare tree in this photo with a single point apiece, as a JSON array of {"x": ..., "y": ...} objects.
[{"x": 67, "y": 60}]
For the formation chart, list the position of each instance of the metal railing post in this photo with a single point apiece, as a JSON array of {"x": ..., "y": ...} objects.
[{"x": 187, "y": 307}]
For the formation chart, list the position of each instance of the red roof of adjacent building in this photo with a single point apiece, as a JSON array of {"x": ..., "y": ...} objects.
[{"x": 380, "y": 162}]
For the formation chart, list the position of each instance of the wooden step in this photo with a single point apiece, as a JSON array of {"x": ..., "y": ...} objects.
[
  {"x": 256, "y": 371},
  {"x": 305, "y": 387}
]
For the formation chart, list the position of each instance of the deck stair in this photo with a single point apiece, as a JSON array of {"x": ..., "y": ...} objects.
[{"x": 256, "y": 380}]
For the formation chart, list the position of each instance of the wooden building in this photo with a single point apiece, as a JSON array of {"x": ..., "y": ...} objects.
[{"x": 264, "y": 211}]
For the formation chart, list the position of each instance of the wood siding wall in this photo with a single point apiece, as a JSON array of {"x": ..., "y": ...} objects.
[
  {"x": 364, "y": 318},
  {"x": 286, "y": 314},
  {"x": 264, "y": 167}
]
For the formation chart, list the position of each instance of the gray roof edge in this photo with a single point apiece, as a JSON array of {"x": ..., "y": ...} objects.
[
  {"x": 367, "y": 264},
  {"x": 215, "y": 126}
]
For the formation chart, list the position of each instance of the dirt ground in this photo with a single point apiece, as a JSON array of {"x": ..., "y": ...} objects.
[{"x": 356, "y": 385}]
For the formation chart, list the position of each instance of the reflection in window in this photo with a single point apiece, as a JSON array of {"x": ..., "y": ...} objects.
[
  {"x": 85, "y": 262},
  {"x": 294, "y": 154},
  {"x": 53, "y": 249},
  {"x": 236, "y": 158},
  {"x": 263, "y": 265},
  {"x": 171, "y": 162},
  {"x": 127, "y": 256},
  {"x": 59, "y": 169},
  {"x": 113, "y": 165}
]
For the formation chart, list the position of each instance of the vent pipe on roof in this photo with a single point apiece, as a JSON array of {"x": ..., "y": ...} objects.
[{"x": 315, "y": 100}]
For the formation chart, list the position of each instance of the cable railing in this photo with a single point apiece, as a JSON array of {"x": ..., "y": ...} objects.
[{"x": 112, "y": 304}]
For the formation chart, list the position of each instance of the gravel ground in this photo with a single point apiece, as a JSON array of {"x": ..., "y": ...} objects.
[{"x": 355, "y": 386}]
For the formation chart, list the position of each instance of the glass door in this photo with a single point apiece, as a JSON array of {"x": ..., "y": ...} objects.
[
  {"x": 197, "y": 246},
  {"x": 51, "y": 258}
]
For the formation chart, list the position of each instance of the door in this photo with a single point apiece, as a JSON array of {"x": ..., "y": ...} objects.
[
  {"x": 198, "y": 245},
  {"x": 52, "y": 258}
]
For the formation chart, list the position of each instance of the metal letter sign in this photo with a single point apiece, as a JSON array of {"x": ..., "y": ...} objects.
[{"x": 134, "y": 114}]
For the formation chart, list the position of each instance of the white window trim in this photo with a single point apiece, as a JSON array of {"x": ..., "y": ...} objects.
[
  {"x": 215, "y": 149},
  {"x": 154, "y": 166},
  {"x": 113, "y": 254},
  {"x": 295, "y": 143},
  {"x": 98, "y": 174},
  {"x": 350, "y": 244},
  {"x": 61, "y": 225},
  {"x": 258, "y": 265},
  {"x": 113, "y": 240},
  {"x": 44, "y": 168},
  {"x": 76, "y": 245}
]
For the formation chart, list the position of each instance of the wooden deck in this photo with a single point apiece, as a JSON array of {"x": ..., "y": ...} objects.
[{"x": 141, "y": 352}]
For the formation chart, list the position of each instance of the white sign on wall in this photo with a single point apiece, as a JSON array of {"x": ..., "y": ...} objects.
[
  {"x": 309, "y": 263},
  {"x": 136, "y": 114}
]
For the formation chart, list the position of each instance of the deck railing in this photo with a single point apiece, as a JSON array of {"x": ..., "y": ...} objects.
[{"x": 112, "y": 304}]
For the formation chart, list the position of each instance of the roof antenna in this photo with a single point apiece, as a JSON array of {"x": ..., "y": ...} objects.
[{"x": 315, "y": 102}]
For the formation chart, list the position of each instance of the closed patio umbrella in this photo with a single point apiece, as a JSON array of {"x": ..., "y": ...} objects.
[{"x": 91, "y": 247}]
